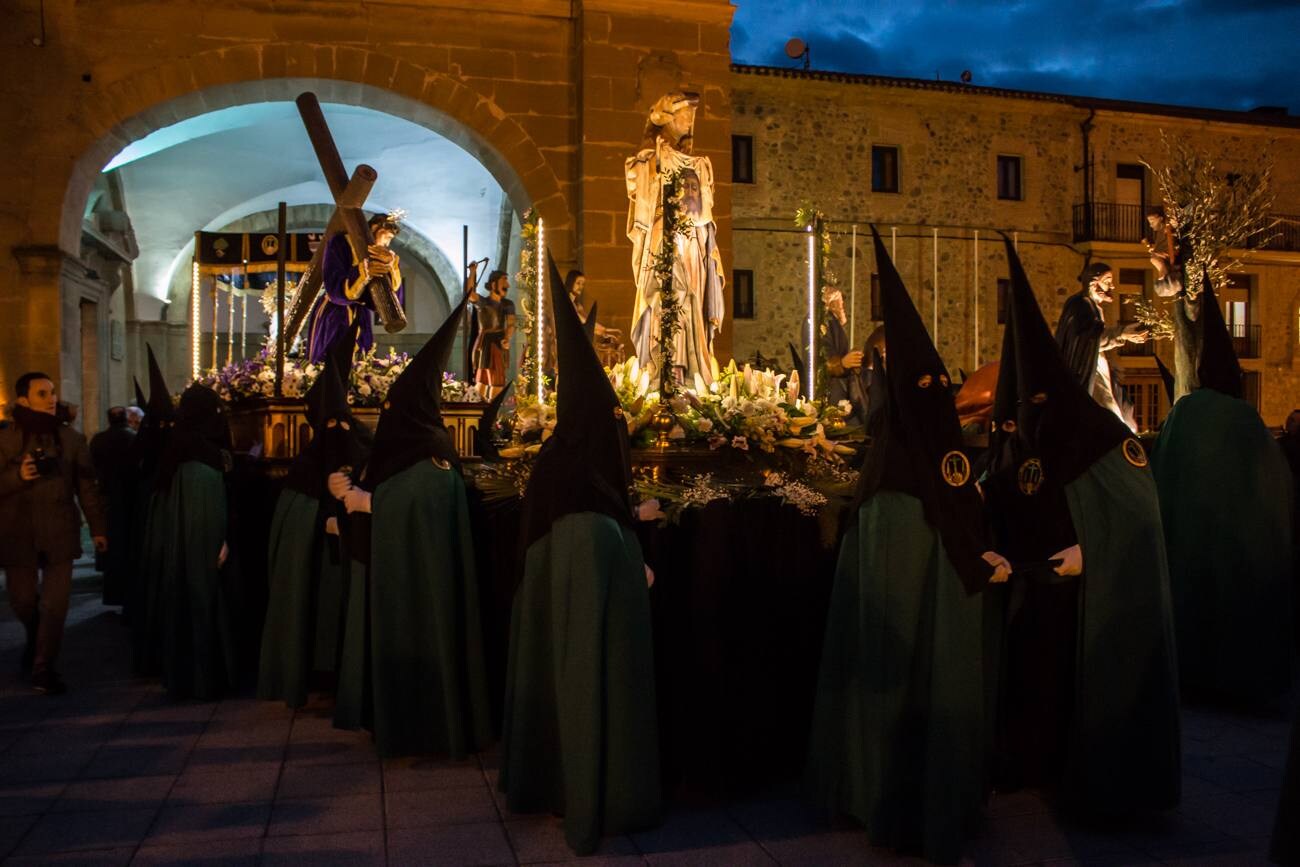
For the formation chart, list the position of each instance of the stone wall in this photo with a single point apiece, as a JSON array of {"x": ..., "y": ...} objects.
[{"x": 812, "y": 143}]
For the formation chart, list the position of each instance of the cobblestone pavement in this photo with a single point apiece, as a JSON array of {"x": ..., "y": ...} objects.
[{"x": 114, "y": 773}]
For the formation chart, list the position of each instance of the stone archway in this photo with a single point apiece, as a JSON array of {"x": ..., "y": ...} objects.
[{"x": 130, "y": 108}]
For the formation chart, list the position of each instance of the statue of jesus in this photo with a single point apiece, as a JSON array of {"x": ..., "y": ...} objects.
[{"x": 697, "y": 265}]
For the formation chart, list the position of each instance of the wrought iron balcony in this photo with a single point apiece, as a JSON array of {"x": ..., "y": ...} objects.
[
  {"x": 1110, "y": 221},
  {"x": 1245, "y": 340}
]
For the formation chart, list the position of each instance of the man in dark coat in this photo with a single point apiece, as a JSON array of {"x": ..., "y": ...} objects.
[
  {"x": 1085, "y": 338},
  {"x": 110, "y": 452},
  {"x": 844, "y": 371},
  {"x": 45, "y": 472}
]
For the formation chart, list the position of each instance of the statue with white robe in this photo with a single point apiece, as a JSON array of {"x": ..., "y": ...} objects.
[{"x": 697, "y": 276}]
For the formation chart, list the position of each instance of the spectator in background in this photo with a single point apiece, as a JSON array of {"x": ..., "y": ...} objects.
[
  {"x": 45, "y": 472},
  {"x": 110, "y": 451},
  {"x": 134, "y": 417}
]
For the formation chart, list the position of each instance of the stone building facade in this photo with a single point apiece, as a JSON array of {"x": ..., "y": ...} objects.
[{"x": 811, "y": 137}]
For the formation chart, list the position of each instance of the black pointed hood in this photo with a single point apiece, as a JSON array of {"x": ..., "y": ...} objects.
[
  {"x": 586, "y": 465},
  {"x": 339, "y": 440},
  {"x": 140, "y": 400},
  {"x": 589, "y": 327},
  {"x": 1040, "y": 410},
  {"x": 487, "y": 422},
  {"x": 1167, "y": 377},
  {"x": 338, "y": 359},
  {"x": 160, "y": 398},
  {"x": 917, "y": 444},
  {"x": 201, "y": 433},
  {"x": 410, "y": 427},
  {"x": 1217, "y": 368},
  {"x": 151, "y": 440}
]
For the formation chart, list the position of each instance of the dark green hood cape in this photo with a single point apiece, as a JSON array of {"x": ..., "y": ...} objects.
[
  {"x": 307, "y": 572},
  {"x": 1225, "y": 497},
  {"x": 198, "y": 650},
  {"x": 153, "y": 527},
  {"x": 898, "y": 736},
  {"x": 1090, "y": 696},
  {"x": 580, "y": 736},
  {"x": 412, "y": 663}
]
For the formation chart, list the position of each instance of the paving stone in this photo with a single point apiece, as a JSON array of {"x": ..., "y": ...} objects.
[
  {"x": 418, "y": 809},
  {"x": 204, "y": 823},
  {"x": 451, "y": 846},
  {"x": 697, "y": 829},
  {"x": 540, "y": 839},
  {"x": 12, "y": 829},
  {"x": 327, "y": 815},
  {"x": 102, "y": 829},
  {"x": 203, "y": 785},
  {"x": 208, "y": 853},
  {"x": 747, "y": 854},
  {"x": 39, "y": 768},
  {"x": 415, "y": 774},
  {"x": 28, "y": 799},
  {"x": 114, "y": 794},
  {"x": 325, "y": 850},
  {"x": 139, "y": 761},
  {"x": 94, "y": 858},
  {"x": 307, "y": 781}
]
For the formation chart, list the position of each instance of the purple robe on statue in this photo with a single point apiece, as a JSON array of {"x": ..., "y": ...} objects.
[{"x": 345, "y": 296}]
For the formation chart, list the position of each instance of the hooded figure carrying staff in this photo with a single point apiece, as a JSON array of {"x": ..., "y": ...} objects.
[
  {"x": 412, "y": 666},
  {"x": 1089, "y": 705},
  {"x": 899, "y": 737},
  {"x": 306, "y": 566},
  {"x": 1225, "y": 497},
  {"x": 580, "y": 736}
]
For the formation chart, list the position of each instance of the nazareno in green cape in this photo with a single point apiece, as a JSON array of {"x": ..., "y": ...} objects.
[
  {"x": 427, "y": 678},
  {"x": 301, "y": 632},
  {"x": 1225, "y": 498},
  {"x": 581, "y": 735},
  {"x": 198, "y": 651},
  {"x": 899, "y": 732}
]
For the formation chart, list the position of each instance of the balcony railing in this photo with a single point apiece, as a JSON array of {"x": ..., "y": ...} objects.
[
  {"x": 1245, "y": 340},
  {"x": 1110, "y": 221}
]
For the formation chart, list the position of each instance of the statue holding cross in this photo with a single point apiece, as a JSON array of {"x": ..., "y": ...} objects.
[{"x": 359, "y": 272}]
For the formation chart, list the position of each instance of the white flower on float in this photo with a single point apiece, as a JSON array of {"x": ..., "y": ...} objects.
[
  {"x": 699, "y": 383},
  {"x": 704, "y": 425}
]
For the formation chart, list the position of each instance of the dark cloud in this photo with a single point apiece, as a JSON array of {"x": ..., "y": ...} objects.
[{"x": 1189, "y": 52}]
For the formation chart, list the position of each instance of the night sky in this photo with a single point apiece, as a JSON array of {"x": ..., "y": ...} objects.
[{"x": 1232, "y": 54}]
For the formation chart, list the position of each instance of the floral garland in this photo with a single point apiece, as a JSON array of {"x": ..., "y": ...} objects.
[
  {"x": 808, "y": 216},
  {"x": 676, "y": 223},
  {"x": 371, "y": 377},
  {"x": 526, "y": 280}
]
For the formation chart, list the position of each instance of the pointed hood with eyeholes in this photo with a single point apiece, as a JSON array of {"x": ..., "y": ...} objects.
[
  {"x": 917, "y": 443},
  {"x": 1050, "y": 416},
  {"x": 487, "y": 422},
  {"x": 410, "y": 427},
  {"x": 160, "y": 404},
  {"x": 1217, "y": 368},
  {"x": 201, "y": 433},
  {"x": 586, "y": 465},
  {"x": 338, "y": 439},
  {"x": 151, "y": 440}
]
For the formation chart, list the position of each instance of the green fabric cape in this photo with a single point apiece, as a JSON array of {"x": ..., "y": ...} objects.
[
  {"x": 1286, "y": 830},
  {"x": 1225, "y": 497},
  {"x": 1123, "y": 750},
  {"x": 898, "y": 736},
  {"x": 426, "y": 647},
  {"x": 580, "y": 736},
  {"x": 302, "y": 616},
  {"x": 146, "y": 608},
  {"x": 198, "y": 648},
  {"x": 352, "y": 706}
]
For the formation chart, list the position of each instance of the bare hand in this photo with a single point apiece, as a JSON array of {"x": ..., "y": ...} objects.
[
  {"x": 1134, "y": 333},
  {"x": 339, "y": 484},
  {"x": 649, "y": 510},
  {"x": 27, "y": 470},
  {"x": 356, "y": 500},
  {"x": 1001, "y": 567},
  {"x": 1071, "y": 561},
  {"x": 223, "y": 555},
  {"x": 852, "y": 359},
  {"x": 331, "y": 526},
  {"x": 649, "y": 576}
]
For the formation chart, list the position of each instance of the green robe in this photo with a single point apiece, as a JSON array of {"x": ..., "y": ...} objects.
[
  {"x": 302, "y": 617},
  {"x": 580, "y": 736},
  {"x": 899, "y": 732},
  {"x": 1225, "y": 497},
  {"x": 198, "y": 648},
  {"x": 429, "y": 689},
  {"x": 146, "y": 606},
  {"x": 1123, "y": 750},
  {"x": 352, "y": 695}
]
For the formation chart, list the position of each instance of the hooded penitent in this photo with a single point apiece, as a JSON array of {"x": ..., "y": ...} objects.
[
  {"x": 1217, "y": 367},
  {"x": 1166, "y": 377},
  {"x": 586, "y": 465},
  {"x": 159, "y": 416},
  {"x": 410, "y": 426},
  {"x": 484, "y": 434},
  {"x": 140, "y": 400},
  {"x": 201, "y": 433},
  {"x": 917, "y": 448},
  {"x": 338, "y": 439}
]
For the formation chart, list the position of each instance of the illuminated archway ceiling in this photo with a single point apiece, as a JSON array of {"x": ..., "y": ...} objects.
[{"x": 205, "y": 172}]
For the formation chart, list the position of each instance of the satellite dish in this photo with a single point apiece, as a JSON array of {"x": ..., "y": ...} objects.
[
  {"x": 795, "y": 48},
  {"x": 966, "y": 76}
]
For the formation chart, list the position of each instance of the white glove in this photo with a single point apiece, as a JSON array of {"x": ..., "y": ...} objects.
[
  {"x": 331, "y": 526},
  {"x": 339, "y": 484},
  {"x": 1071, "y": 561},
  {"x": 1001, "y": 567},
  {"x": 357, "y": 500}
]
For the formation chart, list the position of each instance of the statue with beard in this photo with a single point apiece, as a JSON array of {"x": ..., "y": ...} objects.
[{"x": 697, "y": 279}]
